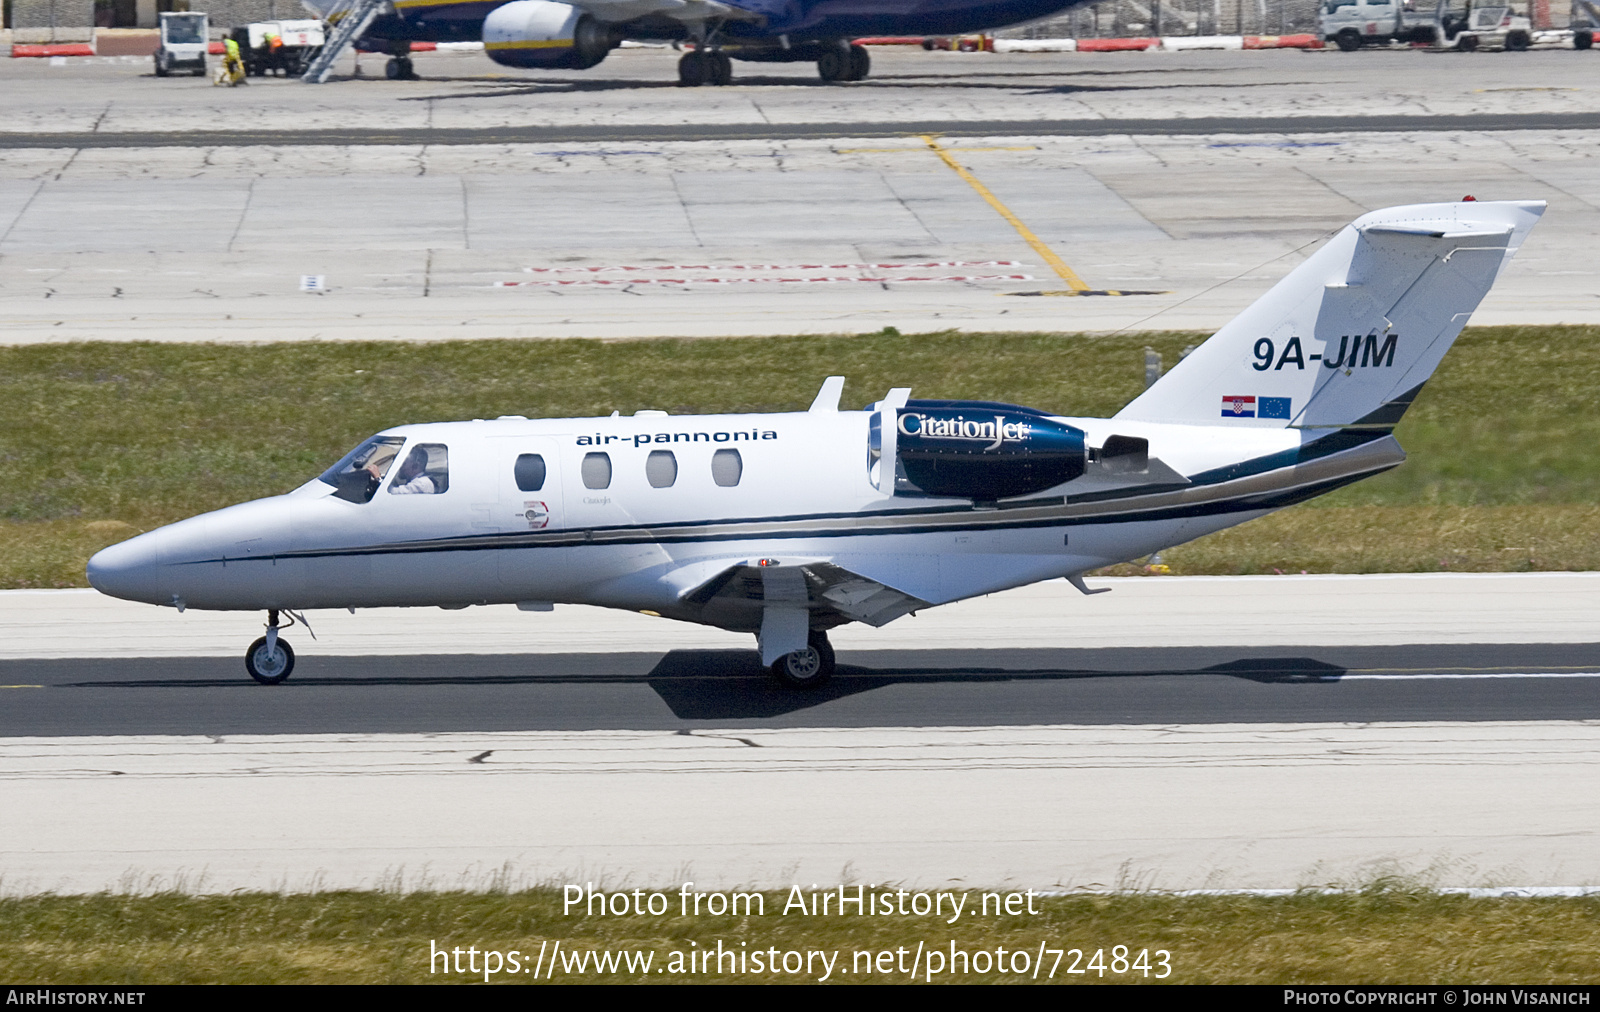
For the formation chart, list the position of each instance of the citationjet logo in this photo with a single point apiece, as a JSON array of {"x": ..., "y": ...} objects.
[{"x": 996, "y": 432}]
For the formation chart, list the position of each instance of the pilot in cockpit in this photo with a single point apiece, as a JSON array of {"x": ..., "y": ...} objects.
[{"x": 412, "y": 477}]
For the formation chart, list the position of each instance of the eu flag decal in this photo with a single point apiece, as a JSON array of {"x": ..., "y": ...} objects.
[
  {"x": 1274, "y": 407},
  {"x": 1235, "y": 406}
]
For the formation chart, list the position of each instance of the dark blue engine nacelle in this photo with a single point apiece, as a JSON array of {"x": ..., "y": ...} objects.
[{"x": 982, "y": 451}]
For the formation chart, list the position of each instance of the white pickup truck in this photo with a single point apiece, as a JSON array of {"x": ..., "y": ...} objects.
[{"x": 1487, "y": 24}]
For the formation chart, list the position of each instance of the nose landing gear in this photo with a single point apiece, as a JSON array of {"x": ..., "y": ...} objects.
[{"x": 270, "y": 659}]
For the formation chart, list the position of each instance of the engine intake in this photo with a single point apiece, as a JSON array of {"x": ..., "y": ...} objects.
[
  {"x": 543, "y": 34},
  {"x": 983, "y": 452}
]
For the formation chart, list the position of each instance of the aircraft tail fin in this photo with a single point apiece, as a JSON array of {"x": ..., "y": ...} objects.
[{"x": 1350, "y": 335}]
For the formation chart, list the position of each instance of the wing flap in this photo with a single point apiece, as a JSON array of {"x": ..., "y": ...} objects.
[{"x": 821, "y": 587}]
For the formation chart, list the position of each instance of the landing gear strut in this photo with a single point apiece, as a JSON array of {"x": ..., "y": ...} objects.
[
  {"x": 270, "y": 659},
  {"x": 808, "y": 668}
]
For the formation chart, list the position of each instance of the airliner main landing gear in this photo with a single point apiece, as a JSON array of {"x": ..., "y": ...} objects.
[
  {"x": 807, "y": 668},
  {"x": 852, "y": 63},
  {"x": 399, "y": 69},
  {"x": 270, "y": 659},
  {"x": 704, "y": 66}
]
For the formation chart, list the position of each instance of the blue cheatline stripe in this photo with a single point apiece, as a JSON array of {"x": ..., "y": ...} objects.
[{"x": 991, "y": 520}]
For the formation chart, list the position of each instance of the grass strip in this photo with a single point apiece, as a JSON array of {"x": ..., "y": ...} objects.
[
  {"x": 101, "y": 440},
  {"x": 1379, "y": 935}
]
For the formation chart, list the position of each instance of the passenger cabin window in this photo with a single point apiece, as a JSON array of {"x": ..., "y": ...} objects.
[
  {"x": 1333, "y": 5},
  {"x": 425, "y": 471},
  {"x": 529, "y": 472},
  {"x": 596, "y": 470},
  {"x": 661, "y": 467},
  {"x": 726, "y": 467},
  {"x": 357, "y": 477}
]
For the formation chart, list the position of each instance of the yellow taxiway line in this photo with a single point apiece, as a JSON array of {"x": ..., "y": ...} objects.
[{"x": 1065, "y": 273}]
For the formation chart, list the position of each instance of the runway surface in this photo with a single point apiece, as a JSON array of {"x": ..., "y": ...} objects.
[
  {"x": 1053, "y": 807},
  {"x": 579, "y": 133},
  {"x": 685, "y": 689},
  {"x": 1244, "y": 732},
  {"x": 1154, "y": 650}
]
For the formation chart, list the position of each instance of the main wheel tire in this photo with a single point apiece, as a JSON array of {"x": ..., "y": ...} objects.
[
  {"x": 1582, "y": 40},
  {"x": 269, "y": 668},
  {"x": 860, "y": 63},
  {"x": 834, "y": 65},
  {"x": 808, "y": 668},
  {"x": 693, "y": 69},
  {"x": 721, "y": 68},
  {"x": 391, "y": 69},
  {"x": 1348, "y": 40},
  {"x": 1517, "y": 42}
]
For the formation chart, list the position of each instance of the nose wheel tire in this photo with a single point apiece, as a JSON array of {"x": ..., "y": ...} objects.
[
  {"x": 269, "y": 667},
  {"x": 808, "y": 668}
]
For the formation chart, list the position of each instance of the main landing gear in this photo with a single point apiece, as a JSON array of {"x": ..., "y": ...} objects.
[
  {"x": 270, "y": 659},
  {"x": 845, "y": 64},
  {"x": 704, "y": 66},
  {"x": 399, "y": 69},
  {"x": 809, "y": 668}
]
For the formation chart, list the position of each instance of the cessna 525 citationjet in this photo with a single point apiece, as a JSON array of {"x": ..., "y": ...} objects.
[{"x": 788, "y": 525}]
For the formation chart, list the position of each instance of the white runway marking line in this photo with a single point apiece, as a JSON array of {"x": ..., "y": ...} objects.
[
  {"x": 718, "y": 279},
  {"x": 1469, "y": 675},
  {"x": 776, "y": 267},
  {"x": 624, "y": 282}
]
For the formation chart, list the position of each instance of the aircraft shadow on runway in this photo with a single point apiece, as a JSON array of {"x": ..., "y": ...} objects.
[
  {"x": 694, "y": 684},
  {"x": 730, "y": 684},
  {"x": 992, "y": 82}
]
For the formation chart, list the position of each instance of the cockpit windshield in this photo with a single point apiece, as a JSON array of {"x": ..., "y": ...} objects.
[{"x": 357, "y": 477}]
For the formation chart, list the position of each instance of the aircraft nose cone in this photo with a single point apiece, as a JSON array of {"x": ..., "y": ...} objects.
[{"x": 130, "y": 570}]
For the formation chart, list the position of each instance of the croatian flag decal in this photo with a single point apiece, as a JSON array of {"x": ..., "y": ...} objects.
[{"x": 1238, "y": 407}]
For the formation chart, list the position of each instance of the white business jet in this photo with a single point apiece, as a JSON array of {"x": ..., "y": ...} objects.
[{"x": 787, "y": 525}]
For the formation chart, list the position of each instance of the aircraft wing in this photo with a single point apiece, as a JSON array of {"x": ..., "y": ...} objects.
[
  {"x": 619, "y": 11},
  {"x": 817, "y": 586}
]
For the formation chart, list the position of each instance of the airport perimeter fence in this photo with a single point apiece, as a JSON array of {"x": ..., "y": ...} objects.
[
  {"x": 1127, "y": 18},
  {"x": 1135, "y": 18}
]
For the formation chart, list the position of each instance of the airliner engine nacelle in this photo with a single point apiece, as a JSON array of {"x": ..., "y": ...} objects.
[
  {"x": 539, "y": 33},
  {"x": 981, "y": 451}
]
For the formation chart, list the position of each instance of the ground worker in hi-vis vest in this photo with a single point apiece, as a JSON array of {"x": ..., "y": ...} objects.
[{"x": 232, "y": 70}]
